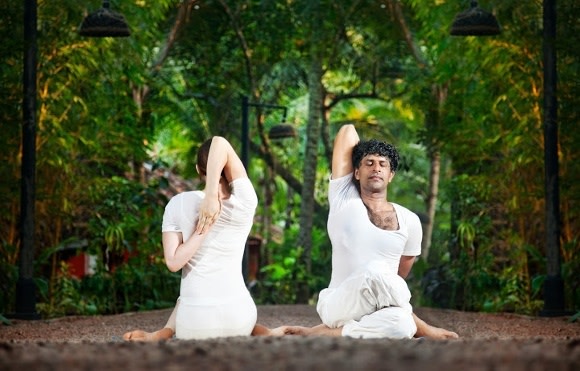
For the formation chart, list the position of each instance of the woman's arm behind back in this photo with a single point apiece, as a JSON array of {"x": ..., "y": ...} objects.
[{"x": 221, "y": 158}]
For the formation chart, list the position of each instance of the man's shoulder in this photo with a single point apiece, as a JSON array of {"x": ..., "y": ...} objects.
[
  {"x": 341, "y": 189},
  {"x": 405, "y": 211},
  {"x": 401, "y": 207}
]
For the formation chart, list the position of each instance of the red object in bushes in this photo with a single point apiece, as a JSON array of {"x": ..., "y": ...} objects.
[{"x": 80, "y": 265}]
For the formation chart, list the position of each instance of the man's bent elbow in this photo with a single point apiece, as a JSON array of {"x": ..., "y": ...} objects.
[{"x": 346, "y": 129}]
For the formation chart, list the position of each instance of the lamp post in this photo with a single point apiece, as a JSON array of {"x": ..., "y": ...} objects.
[
  {"x": 25, "y": 287},
  {"x": 100, "y": 24},
  {"x": 278, "y": 131},
  {"x": 553, "y": 284}
]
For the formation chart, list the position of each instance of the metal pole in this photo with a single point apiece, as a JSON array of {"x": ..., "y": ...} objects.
[
  {"x": 245, "y": 132},
  {"x": 245, "y": 157},
  {"x": 553, "y": 285},
  {"x": 25, "y": 287}
]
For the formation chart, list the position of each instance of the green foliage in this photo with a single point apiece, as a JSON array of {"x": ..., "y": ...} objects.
[
  {"x": 65, "y": 297},
  {"x": 492, "y": 132},
  {"x": 466, "y": 280},
  {"x": 8, "y": 278},
  {"x": 106, "y": 106},
  {"x": 138, "y": 284},
  {"x": 278, "y": 281},
  {"x": 127, "y": 216},
  {"x": 570, "y": 269}
]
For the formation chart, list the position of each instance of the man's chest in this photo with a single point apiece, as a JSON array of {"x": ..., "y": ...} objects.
[
  {"x": 386, "y": 220},
  {"x": 355, "y": 231}
]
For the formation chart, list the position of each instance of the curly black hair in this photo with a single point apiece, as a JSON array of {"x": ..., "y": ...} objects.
[{"x": 375, "y": 147}]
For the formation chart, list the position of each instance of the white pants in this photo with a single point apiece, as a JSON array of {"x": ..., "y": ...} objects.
[
  {"x": 369, "y": 304},
  {"x": 201, "y": 320}
]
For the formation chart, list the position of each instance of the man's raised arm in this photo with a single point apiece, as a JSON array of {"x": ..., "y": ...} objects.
[{"x": 345, "y": 140}]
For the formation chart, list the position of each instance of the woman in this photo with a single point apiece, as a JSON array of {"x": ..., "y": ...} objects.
[{"x": 204, "y": 235}]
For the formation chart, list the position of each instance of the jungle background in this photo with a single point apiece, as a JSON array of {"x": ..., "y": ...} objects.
[{"x": 119, "y": 121}]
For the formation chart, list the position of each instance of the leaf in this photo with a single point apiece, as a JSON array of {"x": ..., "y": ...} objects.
[{"x": 5, "y": 320}]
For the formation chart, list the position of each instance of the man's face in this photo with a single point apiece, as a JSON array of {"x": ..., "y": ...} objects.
[{"x": 374, "y": 173}]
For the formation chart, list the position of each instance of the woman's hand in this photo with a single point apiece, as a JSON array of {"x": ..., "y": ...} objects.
[{"x": 209, "y": 211}]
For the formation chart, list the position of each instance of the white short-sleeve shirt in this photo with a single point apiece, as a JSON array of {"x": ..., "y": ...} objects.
[
  {"x": 215, "y": 270},
  {"x": 357, "y": 242}
]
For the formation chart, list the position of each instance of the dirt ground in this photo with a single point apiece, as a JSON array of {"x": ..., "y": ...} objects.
[{"x": 487, "y": 342}]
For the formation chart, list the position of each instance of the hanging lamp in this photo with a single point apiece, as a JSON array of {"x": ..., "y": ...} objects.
[
  {"x": 104, "y": 23},
  {"x": 475, "y": 22}
]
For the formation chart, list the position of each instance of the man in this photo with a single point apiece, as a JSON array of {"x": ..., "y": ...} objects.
[{"x": 374, "y": 245}]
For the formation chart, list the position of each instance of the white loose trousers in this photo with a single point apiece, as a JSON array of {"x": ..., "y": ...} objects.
[{"x": 370, "y": 303}]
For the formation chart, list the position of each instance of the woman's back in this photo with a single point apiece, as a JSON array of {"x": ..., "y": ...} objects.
[{"x": 213, "y": 293}]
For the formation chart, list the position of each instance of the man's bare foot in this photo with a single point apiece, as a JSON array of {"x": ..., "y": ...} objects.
[
  {"x": 437, "y": 333},
  {"x": 140, "y": 335},
  {"x": 432, "y": 332}
]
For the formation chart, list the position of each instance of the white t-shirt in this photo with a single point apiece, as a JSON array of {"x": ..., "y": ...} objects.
[
  {"x": 357, "y": 242},
  {"x": 214, "y": 274}
]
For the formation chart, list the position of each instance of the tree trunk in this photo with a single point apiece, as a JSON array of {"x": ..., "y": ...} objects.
[
  {"x": 309, "y": 173},
  {"x": 434, "y": 174},
  {"x": 432, "y": 122}
]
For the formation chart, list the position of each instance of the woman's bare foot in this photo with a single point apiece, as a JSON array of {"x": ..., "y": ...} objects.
[
  {"x": 140, "y": 335},
  {"x": 260, "y": 330},
  {"x": 320, "y": 330}
]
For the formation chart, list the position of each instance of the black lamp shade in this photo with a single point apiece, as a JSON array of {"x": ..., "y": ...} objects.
[
  {"x": 104, "y": 23},
  {"x": 282, "y": 131},
  {"x": 475, "y": 22}
]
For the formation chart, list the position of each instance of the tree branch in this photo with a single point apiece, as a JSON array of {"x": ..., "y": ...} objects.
[{"x": 397, "y": 12}]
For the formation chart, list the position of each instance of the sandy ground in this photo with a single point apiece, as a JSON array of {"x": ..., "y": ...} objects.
[{"x": 488, "y": 342}]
